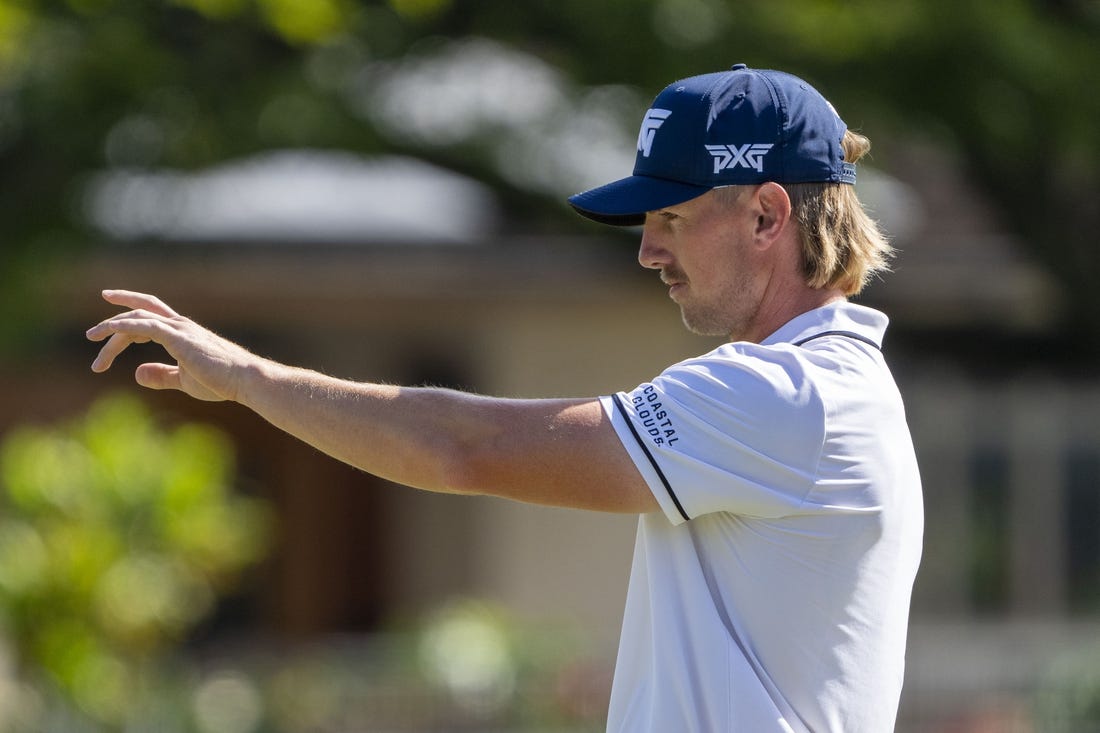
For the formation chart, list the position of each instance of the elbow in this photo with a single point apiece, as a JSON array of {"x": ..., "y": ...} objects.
[
  {"x": 487, "y": 465},
  {"x": 465, "y": 450},
  {"x": 461, "y": 468}
]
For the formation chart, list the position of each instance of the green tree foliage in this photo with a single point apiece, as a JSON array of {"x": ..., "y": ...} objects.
[
  {"x": 89, "y": 84},
  {"x": 116, "y": 538}
]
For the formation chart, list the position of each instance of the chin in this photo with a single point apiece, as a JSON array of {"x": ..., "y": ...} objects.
[{"x": 703, "y": 327}]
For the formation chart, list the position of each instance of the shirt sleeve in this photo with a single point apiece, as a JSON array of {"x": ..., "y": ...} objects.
[{"x": 733, "y": 431}]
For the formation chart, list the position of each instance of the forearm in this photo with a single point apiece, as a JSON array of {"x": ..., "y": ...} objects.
[
  {"x": 406, "y": 435},
  {"x": 435, "y": 439}
]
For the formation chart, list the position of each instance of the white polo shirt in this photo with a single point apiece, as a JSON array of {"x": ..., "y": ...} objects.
[{"x": 772, "y": 592}]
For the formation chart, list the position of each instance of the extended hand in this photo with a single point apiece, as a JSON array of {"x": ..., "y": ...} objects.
[{"x": 207, "y": 367}]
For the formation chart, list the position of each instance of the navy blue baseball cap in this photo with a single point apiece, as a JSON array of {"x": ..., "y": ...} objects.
[{"x": 736, "y": 127}]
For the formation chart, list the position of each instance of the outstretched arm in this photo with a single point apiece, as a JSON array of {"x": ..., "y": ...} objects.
[{"x": 561, "y": 452}]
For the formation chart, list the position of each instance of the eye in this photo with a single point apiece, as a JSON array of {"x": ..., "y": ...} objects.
[{"x": 665, "y": 217}]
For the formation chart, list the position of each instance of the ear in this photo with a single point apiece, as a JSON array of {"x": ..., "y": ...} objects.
[{"x": 772, "y": 207}]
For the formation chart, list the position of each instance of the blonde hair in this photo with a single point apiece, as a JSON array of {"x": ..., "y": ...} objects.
[{"x": 842, "y": 247}]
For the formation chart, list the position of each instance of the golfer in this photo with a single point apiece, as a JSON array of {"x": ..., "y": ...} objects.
[{"x": 779, "y": 502}]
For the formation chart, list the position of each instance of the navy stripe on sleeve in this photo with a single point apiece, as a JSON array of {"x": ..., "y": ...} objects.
[{"x": 645, "y": 449}]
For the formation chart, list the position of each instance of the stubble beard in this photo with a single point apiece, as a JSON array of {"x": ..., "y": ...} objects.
[
  {"x": 707, "y": 322},
  {"x": 728, "y": 317}
]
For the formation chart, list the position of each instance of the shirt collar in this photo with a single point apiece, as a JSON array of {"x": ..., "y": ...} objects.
[{"x": 839, "y": 316}]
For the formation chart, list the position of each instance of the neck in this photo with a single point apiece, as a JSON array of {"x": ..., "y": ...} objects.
[{"x": 774, "y": 312}]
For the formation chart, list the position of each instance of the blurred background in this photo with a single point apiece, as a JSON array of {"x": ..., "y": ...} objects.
[{"x": 376, "y": 190}]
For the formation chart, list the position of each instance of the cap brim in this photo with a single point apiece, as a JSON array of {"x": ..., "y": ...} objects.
[{"x": 626, "y": 201}]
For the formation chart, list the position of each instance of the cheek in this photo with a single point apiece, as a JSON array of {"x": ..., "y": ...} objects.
[{"x": 717, "y": 255}]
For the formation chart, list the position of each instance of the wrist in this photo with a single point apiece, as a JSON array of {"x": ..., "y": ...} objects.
[{"x": 250, "y": 378}]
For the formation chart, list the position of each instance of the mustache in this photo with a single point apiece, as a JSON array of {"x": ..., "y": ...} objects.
[{"x": 671, "y": 275}]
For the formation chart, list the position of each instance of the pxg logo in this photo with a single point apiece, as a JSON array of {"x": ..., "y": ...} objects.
[{"x": 749, "y": 155}]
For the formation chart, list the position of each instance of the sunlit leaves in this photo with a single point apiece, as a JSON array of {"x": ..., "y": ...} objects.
[
  {"x": 419, "y": 9},
  {"x": 116, "y": 536},
  {"x": 305, "y": 22},
  {"x": 832, "y": 31},
  {"x": 23, "y": 559},
  {"x": 14, "y": 23},
  {"x": 217, "y": 9},
  {"x": 144, "y": 597}
]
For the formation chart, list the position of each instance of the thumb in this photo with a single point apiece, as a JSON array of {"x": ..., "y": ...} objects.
[
  {"x": 166, "y": 376},
  {"x": 158, "y": 376}
]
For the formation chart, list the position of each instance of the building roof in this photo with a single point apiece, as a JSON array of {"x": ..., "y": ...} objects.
[{"x": 296, "y": 195}]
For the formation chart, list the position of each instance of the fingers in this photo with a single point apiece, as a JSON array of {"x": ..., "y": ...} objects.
[
  {"x": 133, "y": 327},
  {"x": 203, "y": 359},
  {"x": 114, "y": 346},
  {"x": 136, "y": 301},
  {"x": 131, "y": 321}
]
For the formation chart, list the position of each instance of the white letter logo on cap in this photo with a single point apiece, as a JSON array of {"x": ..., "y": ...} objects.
[
  {"x": 654, "y": 118},
  {"x": 749, "y": 155}
]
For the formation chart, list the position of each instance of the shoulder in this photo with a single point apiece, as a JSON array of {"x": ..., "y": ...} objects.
[
  {"x": 777, "y": 374},
  {"x": 739, "y": 429}
]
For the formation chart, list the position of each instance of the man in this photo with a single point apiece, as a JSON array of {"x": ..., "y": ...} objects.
[{"x": 779, "y": 500}]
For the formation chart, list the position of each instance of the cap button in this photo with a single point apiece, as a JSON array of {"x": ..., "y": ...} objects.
[{"x": 738, "y": 67}]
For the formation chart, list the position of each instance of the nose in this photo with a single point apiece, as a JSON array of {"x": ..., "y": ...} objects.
[{"x": 651, "y": 252}]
